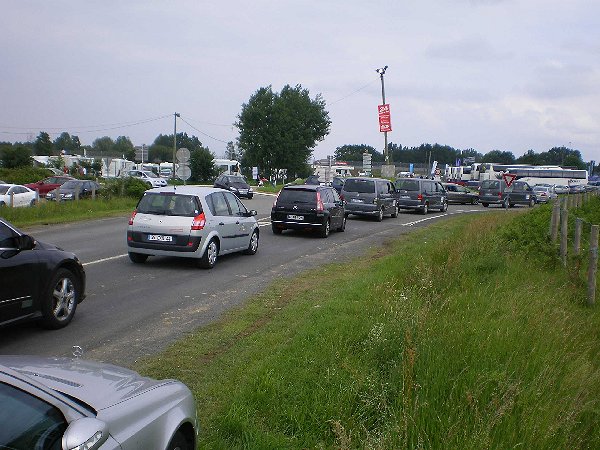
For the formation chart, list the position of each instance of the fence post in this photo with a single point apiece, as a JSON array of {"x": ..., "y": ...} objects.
[
  {"x": 577, "y": 243},
  {"x": 554, "y": 220},
  {"x": 564, "y": 216},
  {"x": 593, "y": 266},
  {"x": 12, "y": 199}
]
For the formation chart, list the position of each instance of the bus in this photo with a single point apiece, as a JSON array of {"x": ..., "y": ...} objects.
[{"x": 554, "y": 175}]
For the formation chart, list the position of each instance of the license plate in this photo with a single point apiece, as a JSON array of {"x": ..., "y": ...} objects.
[
  {"x": 357, "y": 200},
  {"x": 405, "y": 196},
  {"x": 160, "y": 238},
  {"x": 294, "y": 217}
]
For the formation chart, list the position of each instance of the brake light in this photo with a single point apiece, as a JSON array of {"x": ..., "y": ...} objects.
[
  {"x": 500, "y": 195},
  {"x": 320, "y": 205},
  {"x": 132, "y": 216},
  {"x": 420, "y": 197},
  {"x": 199, "y": 222}
]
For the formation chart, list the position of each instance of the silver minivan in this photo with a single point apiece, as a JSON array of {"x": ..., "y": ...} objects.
[{"x": 191, "y": 222}]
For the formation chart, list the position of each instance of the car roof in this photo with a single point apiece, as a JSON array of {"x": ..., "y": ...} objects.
[
  {"x": 366, "y": 179},
  {"x": 187, "y": 190},
  {"x": 304, "y": 187}
]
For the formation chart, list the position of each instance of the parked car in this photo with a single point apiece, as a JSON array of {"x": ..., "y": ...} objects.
[
  {"x": 305, "y": 206},
  {"x": 48, "y": 184},
  {"x": 421, "y": 194},
  {"x": 38, "y": 281},
  {"x": 460, "y": 194},
  {"x": 543, "y": 194},
  {"x": 16, "y": 195},
  {"x": 577, "y": 189},
  {"x": 236, "y": 184},
  {"x": 338, "y": 183},
  {"x": 72, "y": 403},
  {"x": 191, "y": 222},
  {"x": 74, "y": 189},
  {"x": 495, "y": 192},
  {"x": 373, "y": 197},
  {"x": 148, "y": 177}
]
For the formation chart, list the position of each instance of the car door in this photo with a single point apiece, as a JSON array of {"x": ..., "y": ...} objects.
[
  {"x": 19, "y": 271},
  {"x": 243, "y": 224},
  {"x": 329, "y": 203},
  {"x": 337, "y": 209},
  {"x": 225, "y": 223}
]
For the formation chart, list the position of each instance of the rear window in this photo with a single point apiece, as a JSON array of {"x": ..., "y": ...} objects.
[
  {"x": 490, "y": 184},
  {"x": 407, "y": 185},
  {"x": 169, "y": 204},
  {"x": 297, "y": 196},
  {"x": 360, "y": 186}
]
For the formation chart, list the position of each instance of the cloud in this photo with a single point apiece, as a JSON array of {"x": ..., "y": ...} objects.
[{"x": 468, "y": 49}]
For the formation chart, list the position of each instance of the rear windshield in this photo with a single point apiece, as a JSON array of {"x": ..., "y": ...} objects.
[
  {"x": 407, "y": 185},
  {"x": 297, "y": 196},
  {"x": 360, "y": 186},
  {"x": 490, "y": 184},
  {"x": 169, "y": 204}
]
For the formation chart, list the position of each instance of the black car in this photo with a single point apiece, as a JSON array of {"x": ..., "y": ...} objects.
[
  {"x": 460, "y": 194},
  {"x": 338, "y": 183},
  {"x": 37, "y": 280},
  {"x": 311, "y": 207},
  {"x": 236, "y": 184},
  {"x": 73, "y": 190},
  {"x": 421, "y": 194}
]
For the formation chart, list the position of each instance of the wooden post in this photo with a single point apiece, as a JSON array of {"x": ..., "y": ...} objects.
[
  {"x": 94, "y": 193},
  {"x": 564, "y": 216},
  {"x": 12, "y": 199},
  {"x": 577, "y": 243},
  {"x": 554, "y": 220},
  {"x": 592, "y": 270}
]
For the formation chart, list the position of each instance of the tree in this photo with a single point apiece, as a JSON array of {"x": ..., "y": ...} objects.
[
  {"x": 13, "y": 156},
  {"x": 160, "y": 153},
  {"x": 104, "y": 146},
  {"x": 202, "y": 165},
  {"x": 355, "y": 152},
  {"x": 499, "y": 157},
  {"x": 123, "y": 146},
  {"x": 43, "y": 145},
  {"x": 280, "y": 130},
  {"x": 233, "y": 152},
  {"x": 162, "y": 148},
  {"x": 70, "y": 144}
]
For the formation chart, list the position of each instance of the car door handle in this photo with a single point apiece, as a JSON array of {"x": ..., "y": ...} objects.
[{"x": 221, "y": 223}]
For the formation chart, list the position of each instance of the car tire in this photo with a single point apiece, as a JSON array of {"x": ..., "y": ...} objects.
[
  {"x": 60, "y": 300},
  {"x": 209, "y": 258},
  {"x": 485, "y": 205},
  {"x": 343, "y": 226},
  {"x": 253, "y": 245},
  {"x": 379, "y": 216},
  {"x": 325, "y": 229},
  {"x": 32, "y": 202},
  {"x": 531, "y": 202},
  {"x": 137, "y": 258},
  {"x": 425, "y": 209},
  {"x": 444, "y": 207},
  {"x": 179, "y": 442},
  {"x": 276, "y": 230},
  {"x": 395, "y": 213}
]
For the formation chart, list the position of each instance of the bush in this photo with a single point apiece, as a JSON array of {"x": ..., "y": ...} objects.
[
  {"x": 123, "y": 187},
  {"x": 24, "y": 175}
]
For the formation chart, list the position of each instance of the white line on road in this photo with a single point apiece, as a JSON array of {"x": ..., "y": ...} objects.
[{"x": 104, "y": 260}]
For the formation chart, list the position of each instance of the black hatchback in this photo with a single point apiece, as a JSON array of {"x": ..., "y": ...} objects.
[
  {"x": 236, "y": 184},
  {"x": 311, "y": 207},
  {"x": 37, "y": 280}
]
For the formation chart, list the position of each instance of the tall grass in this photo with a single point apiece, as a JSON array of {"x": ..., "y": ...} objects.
[{"x": 453, "y": 337}]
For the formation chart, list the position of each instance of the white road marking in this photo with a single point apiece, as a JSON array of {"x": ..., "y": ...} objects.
[{"x": 104, "y": 260}]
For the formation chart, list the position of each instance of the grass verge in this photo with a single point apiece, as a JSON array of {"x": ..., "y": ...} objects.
[{"x": 453, "y": 337}]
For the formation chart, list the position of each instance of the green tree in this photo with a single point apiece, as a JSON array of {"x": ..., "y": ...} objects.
[
  {"x": 354, "y": 152},
  {"x": 43, "y": 145},
  {"x": 13, "y": 156},
  {"x": 123, "y": 146},
  {"x": 104, "y": 146},
  {"x": 161, "y": 149},
  {"x": 160, "y": 153},
  {"x": 233, "y": 152},
  {"x": 70, "y": 144},
  {"x": 280, "y": 130},
  {"x": 202, "y": 165},
  {"x": 499, "y": 157}
]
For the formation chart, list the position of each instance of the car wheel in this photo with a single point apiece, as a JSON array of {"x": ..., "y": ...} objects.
[
  {"x": 179, "y": 442},
  {"x": 425, "y": 209},
  {"x": 253, "y": 245},
  {"x": 395, "y": 213},
  {"x": 250, "y": 197},
  {"x": 276, "y": 230},
  {"x": 531, "y": 202},
  {"x": 485, "y": 205},
  {"x": 379, "y": 217},
  {"x": 505, "y": 203},
  {"x": 60, "y": 301},
  {"x": 325, "y": 228},
  {"x": 32, "y": 202},
  {"x": 209, "y": 258},
  {"x": 343, "y": 226},
  {"x": 137, "y": 258},
  {"x": 444, "y": 207}
]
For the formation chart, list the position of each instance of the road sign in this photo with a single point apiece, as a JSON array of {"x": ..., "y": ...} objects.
[
  {"x": 184, "y": 172},
  {"x": 385, "y": 120},
  {"x": 183, "y": 155},
  {"x": 508, "y": 178}
]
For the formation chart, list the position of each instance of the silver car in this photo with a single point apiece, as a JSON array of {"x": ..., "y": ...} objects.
[
  {"x": 64, "y": 403},
  {"x": 191, "y": 222}
]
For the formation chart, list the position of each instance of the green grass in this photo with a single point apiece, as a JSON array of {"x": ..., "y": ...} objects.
[
  {"x": 454, "y": 336},
  {"x": 47, "y": 212}
]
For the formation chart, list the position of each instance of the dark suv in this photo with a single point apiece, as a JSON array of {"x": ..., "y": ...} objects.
[
  {"x": 495, "y": 192},
  {"x": 306, "y": 206},
  {"x": 236, "y": 184},
  {"x": 421, "y": 194},
  {"x": 374, "y": 197}
]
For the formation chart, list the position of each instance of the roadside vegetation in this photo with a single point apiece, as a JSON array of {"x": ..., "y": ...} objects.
[{"x": 466, "y": 334}]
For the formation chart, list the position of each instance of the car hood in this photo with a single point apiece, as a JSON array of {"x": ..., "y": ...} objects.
[{"x": 97, "y": 384}]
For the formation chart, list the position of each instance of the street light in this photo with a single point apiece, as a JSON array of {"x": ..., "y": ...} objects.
[{"x": 381, "y": 73}]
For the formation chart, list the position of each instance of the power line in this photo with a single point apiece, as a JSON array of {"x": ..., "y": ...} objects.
[
  {"x": 202, "y": 132},
  {"x": 354, "y": 92}
]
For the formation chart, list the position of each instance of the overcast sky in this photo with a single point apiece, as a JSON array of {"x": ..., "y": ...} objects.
[{"x": 485, "y": 74}]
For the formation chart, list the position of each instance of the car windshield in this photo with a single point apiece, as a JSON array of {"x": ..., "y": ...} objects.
[
  {"x": 407, "y": 185},
  {"x": 236, "y": 180},
  {"x": 4, "y": 189},
  {"x": 168, "y": 204},
  {"x": 490, "y": 184},
  {"x": 150, "y": 174},
  {"x": 297, "y": 196},
  {"x": 70, "y": 185},
  {"x": 360, "y": 186}
]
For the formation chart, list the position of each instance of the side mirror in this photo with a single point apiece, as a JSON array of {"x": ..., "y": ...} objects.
[
  {"x": 86, "y": 433},
  {"x": 253, "y": 212},
  {"x": 25, "y": 242}
]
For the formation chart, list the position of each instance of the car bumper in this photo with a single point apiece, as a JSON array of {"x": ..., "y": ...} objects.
[
  {"x": 364, "y": 209},
  {"x": 410, "y": 204}
]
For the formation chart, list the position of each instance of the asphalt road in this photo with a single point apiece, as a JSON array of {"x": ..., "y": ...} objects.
[{"x": 134, "y": 310}]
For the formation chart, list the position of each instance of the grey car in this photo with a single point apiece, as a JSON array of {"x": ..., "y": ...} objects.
[
  {"x": 421, "y": 194},
  {"x": 71, "y": 403},
  {"x": 496, "y": 192},
  {"x": 191, "y": 222},
  {"x": 373, "y": 197}
]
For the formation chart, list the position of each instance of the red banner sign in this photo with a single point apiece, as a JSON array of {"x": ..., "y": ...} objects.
[{"x": 385, "y": 120}]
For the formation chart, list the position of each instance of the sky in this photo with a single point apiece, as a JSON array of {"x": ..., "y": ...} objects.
[{"x": 509, "y": 75}]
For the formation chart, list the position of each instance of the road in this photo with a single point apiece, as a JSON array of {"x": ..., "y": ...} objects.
[{"x": 135, "y": 310}]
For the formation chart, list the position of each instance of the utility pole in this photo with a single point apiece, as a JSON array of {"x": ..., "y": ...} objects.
[
  {"x": 176, "y": 115},
  {"x": 381, "y": 73}
]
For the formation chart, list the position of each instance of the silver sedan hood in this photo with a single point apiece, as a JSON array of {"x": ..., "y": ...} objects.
[{"x": 97, "y": 384}]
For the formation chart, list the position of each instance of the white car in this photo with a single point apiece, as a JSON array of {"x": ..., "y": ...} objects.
[
  {"x": 17, "y": 195},
  {"x": 191, "y": 222},
  {"x": 148, "y": 177}
]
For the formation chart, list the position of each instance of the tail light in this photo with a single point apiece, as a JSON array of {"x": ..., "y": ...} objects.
[
  {"x": 276, "y": 198},
  {"x": 420, "y": 197},
  {"x": 500, "y": 195},
  {"x": 132, "y": 216},
  {"x": 199, "y": 222},
  {"x": 320, "y": 205}
]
